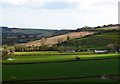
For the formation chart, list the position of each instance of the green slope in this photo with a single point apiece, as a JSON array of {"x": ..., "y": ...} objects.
[{"x": 93, "y": 42}]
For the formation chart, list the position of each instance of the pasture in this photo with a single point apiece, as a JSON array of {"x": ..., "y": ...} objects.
[
  {"x": 59, "y": 70},
  {"x": 99, "y": 41},
  {"x": 80, "y": 71},
  {"x": 54, "y": 56}
]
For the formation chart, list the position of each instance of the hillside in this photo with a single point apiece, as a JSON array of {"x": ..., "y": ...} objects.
[
  {"x": 82, "y": 32},
  {"x": 58, "y": 39},
  {"x": 19, "y": 35},
  {"x": 12, "y": 36},
  {"x": 93, "y": 42}
]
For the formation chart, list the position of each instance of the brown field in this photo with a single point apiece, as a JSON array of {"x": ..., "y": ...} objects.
[{"x": 57, "y": 39}]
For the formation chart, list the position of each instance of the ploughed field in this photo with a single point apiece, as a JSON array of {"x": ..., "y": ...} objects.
[{"x": 60, "y": 67}]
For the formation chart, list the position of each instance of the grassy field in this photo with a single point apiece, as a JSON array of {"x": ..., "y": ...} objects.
[
  {"x": 41, "y": 72},
  {"x": 93, "y": 42},
  {"x": 33, "y": 57},
  {"x": 57, "y": 70}
]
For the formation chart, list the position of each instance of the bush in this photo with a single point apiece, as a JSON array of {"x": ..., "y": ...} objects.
[
  {"x": 77, "y": 58},
  {"x": 6, "y": 53}
]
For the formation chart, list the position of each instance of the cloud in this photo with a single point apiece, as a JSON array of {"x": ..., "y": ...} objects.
[
  {"x": 58, "y": 13},
  {"x": 15, "y": 2},
  {"x": 59, "y": 5},
  {"x": 19, "y": 2},
  {"x": 40, "y": 4}
]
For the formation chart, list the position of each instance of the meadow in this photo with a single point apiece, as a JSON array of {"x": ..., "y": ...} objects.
[
  {"x": 56, "y": 71},
  {"x": 54, "y": 56},
  {"x": 60, "y": 70}
]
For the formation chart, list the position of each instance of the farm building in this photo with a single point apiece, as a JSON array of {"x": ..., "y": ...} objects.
[{"x": 101, "y": 51}]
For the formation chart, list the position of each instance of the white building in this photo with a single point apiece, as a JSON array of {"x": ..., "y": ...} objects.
[{"x": 101, "y": 51}]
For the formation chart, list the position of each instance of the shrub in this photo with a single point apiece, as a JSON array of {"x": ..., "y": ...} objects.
[{"x": 77, "y": 58}]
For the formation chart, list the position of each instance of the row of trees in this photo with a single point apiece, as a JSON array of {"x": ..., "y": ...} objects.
[
  {"x": 88, "y": 28},
  {"x": 9, "y": 51},
  {"x": 57, "y": 47},
  {"x": 36, "y": 48}
]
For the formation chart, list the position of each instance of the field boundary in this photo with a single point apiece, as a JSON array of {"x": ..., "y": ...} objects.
[{"x": 61, "y": 78}]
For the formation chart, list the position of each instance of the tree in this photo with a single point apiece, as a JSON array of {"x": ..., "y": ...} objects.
[
  {"x": 11, "y": 51},
  {"x": 110, "y": 47},
  {"x": 117, "y": 47},
  {"x": 54, "y": 48},
  {"x": 68, "y": 38},
  {"x": 7, "y": 52},
  {"x": 20, "y": 48},
  {"x": 85, "y": 28}
]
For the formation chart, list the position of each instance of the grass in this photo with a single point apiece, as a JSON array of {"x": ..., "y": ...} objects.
[
  {"x": 28, "y": 57},
  {"x": 93, "y": 42},
  {"x": 59, "y": 70},
  {"x": 56, "y": 70}
]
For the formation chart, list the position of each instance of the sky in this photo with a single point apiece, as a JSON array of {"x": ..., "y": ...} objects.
[{"x": 58, "y": 14}]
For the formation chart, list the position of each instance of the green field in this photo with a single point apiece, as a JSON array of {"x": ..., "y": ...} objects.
[
  {"x": 93, "y": 42},
  {"x": 57, "y": 70},
  {"x": 42, "y": 71},
  {"x": 26, "y": 57}
]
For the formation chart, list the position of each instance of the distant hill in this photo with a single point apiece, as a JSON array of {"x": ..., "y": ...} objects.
[
  {"x": 100, "y": 28},
  {"x": 18, "y": 35},
  {"x": 36, "y": 37},
  {"x": 82, "y": 32}
]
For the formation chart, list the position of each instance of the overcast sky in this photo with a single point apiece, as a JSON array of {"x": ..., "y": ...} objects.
[{"x": 58, "y": 14}]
